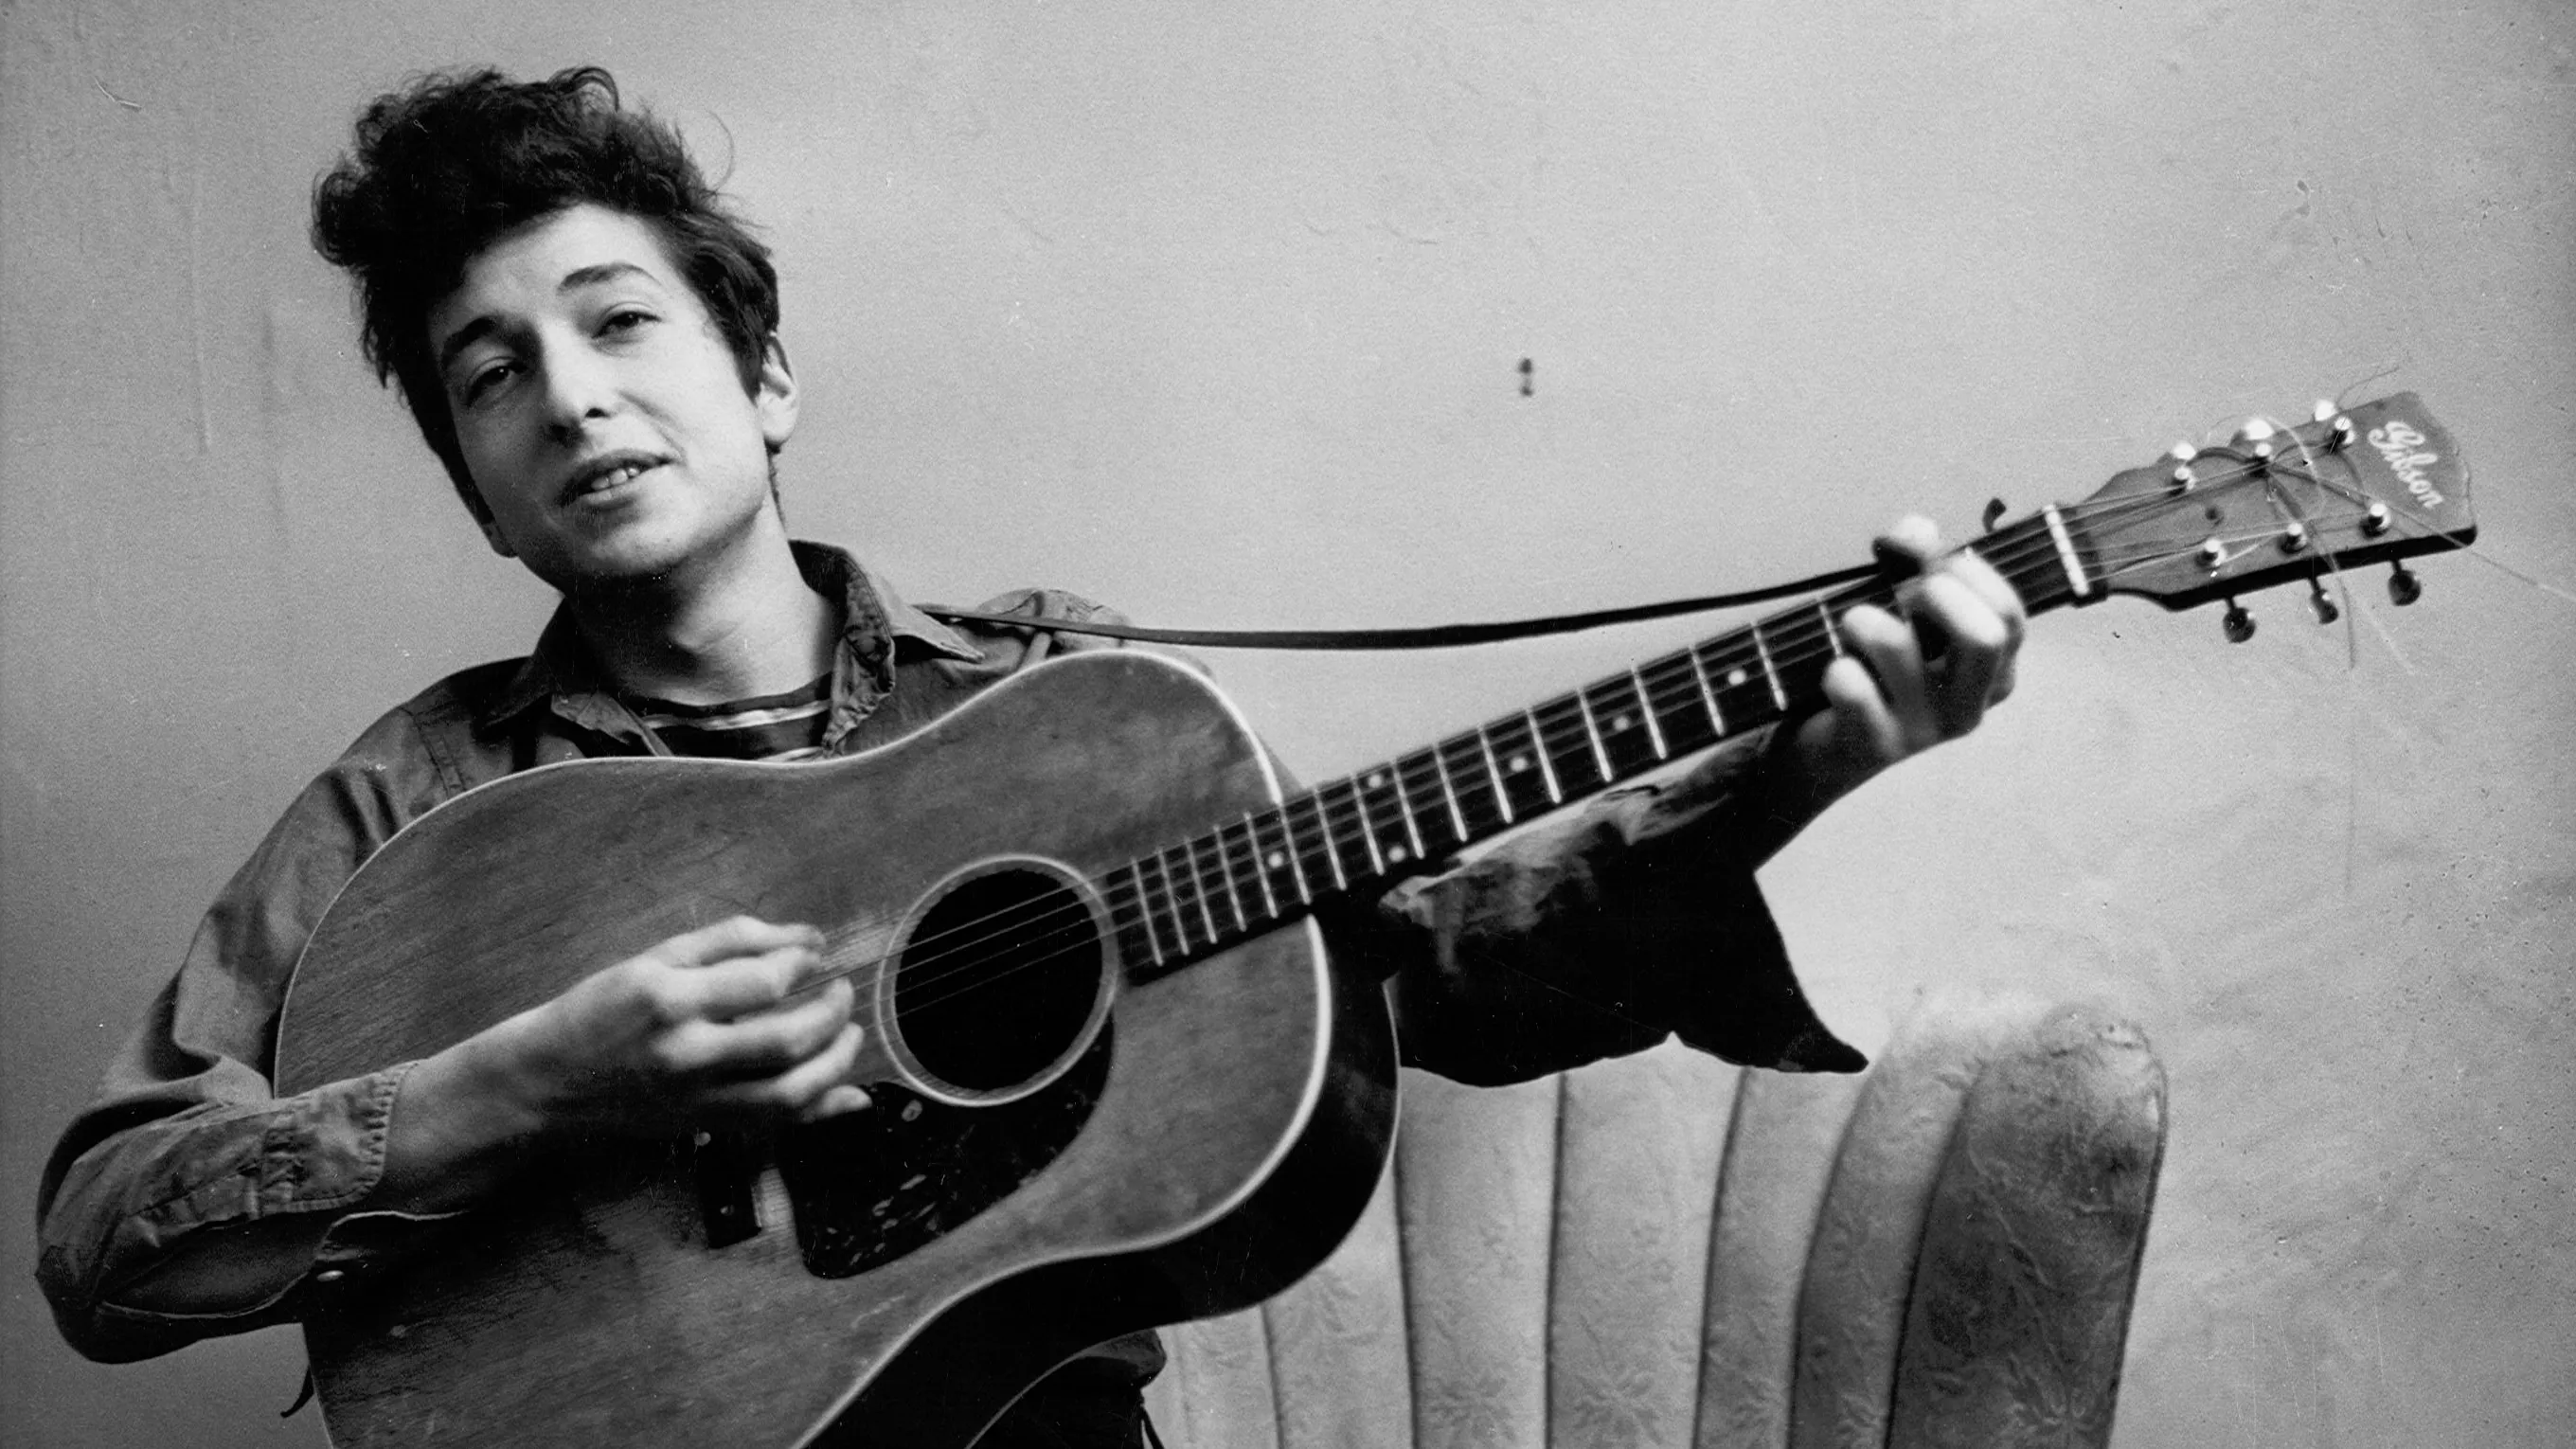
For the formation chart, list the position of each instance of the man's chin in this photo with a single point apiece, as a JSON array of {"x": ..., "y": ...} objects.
[{"x": 609, "y": 572}]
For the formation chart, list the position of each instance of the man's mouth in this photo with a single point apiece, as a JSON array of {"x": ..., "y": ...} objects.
[{"x": 614, "y": 470}]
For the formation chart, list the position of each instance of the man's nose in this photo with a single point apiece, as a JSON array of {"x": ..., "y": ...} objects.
[{"x": 580, "y": 388}]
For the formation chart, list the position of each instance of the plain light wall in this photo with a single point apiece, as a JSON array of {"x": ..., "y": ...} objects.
[{"x": 1216, "y": 311}]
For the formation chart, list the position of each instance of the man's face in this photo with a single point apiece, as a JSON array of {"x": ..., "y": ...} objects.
[{"x": 597, "y": 406}]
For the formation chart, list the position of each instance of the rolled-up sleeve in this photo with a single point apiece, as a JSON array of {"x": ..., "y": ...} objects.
[
  {"x": 1597, "y": 932},
  {"x": 186, "y": 1137}
]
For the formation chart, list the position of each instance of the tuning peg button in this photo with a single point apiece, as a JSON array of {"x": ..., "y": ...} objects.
[
  {"x": 2236, "y": 623},
  {"x": 2327, "y": 612},
  {"x": 2403, "y": 587}
]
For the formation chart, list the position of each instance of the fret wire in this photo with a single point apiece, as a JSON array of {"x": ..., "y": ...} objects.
[
  {"x": 1524, "y": 765},
  {"x": 1143, "y": 921},
  {"x": 1778, "y": 696},
  {"x": 1466, "y": 777},
  {"x": 1646, "y": 707},
  {"x": 1546, "y": 768},
  {"x": 1181, "y": 945},
  {"x": 1368, "y": 836},
  {"x": 1198, "y": 891},
  {"x": 1592, "y": 731},
  {"x": 1833, "y": 636},
  {"x": 1566, "y": 731},
  {"x": 1494, "y": 772},
  {"x": 1336, "y": 839},
  {"x": 1233, "y": 901},
  {"x": 1404, "y": 806},
  {"x": 1674, "y": 698},
  {"x": 1252, "y": 852},
  {"x": 1287, "y": 854},
  {"x": 1707, "y": 696},
  {"x": 1449, "y": 796},
  {"x": 1370, "y": 787},
  {"x": 1314, "y": 804}
]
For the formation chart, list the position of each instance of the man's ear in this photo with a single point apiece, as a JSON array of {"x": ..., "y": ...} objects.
[{"x": 773, "y": 393}]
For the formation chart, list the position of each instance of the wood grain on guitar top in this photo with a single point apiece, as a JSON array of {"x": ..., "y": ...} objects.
[{"x": 1245, "y": 1113}]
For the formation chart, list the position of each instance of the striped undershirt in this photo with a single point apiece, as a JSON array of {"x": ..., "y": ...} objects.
[{"x": 771, "y": 727}]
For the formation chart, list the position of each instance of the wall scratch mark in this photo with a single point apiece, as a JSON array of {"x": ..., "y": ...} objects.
[{"x": 197, "y": 303}]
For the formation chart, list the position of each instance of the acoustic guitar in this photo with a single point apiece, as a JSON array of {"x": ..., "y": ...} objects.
[{"x": 1118, "y": 1080}]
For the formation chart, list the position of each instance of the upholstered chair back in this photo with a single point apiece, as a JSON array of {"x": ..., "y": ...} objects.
[{"x": 1663, "y": 1250}]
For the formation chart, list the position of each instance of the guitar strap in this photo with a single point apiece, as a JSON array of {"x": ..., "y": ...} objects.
[{"x": 1435, "y": 636}]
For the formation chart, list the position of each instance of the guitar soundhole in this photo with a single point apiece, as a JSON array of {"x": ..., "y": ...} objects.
[{"x": 997, "y": 979}]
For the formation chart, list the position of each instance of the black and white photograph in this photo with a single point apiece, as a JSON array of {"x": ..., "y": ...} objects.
[{"x": 1151, "y": 724}]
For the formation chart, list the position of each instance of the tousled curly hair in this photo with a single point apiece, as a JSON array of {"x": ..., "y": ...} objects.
[{"x": 443, "y": 167}]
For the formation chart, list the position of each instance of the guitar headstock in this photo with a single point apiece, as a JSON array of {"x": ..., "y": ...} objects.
[{"x": 2273, "y": 505}]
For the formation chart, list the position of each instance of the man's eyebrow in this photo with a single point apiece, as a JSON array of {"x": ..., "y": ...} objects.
[
  {"x": 573, "y": 281},
  {"x": 462, "y": 338},
  {"x": 580, "y": 277}
]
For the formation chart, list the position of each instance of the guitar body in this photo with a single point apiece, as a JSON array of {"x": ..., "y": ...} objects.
[{"x": 1147, "y": 1145}]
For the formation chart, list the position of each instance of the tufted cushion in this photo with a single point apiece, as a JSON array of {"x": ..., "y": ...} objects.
[{"x": 1663, "y": 1250}]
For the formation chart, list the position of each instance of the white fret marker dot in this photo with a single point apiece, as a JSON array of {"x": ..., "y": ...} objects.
[
  {"x": 1516, "y": 763},
  {"x": 1620, "y": 722},
  {"x": 1274, "y": 860},
  {"x": 1395, "y": 855},
  {"x": 1376, "y": 781},
  {"x": 1736, "y": 676}
]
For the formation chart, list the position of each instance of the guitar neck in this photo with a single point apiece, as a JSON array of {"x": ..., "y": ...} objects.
[{"x": 1362, "y": 832}]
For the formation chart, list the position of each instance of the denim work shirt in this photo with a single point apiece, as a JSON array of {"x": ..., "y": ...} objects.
[{"x": 1597, "y": 932}]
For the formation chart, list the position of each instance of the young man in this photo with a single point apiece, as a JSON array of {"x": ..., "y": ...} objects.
[{"x": 589, "y": 341}]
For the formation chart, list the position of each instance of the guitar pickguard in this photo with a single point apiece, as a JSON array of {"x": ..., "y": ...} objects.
[{"x": 874, "y": 1185}]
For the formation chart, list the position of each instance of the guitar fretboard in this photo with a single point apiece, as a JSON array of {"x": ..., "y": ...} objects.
[{"x": 1366, "y": 830}]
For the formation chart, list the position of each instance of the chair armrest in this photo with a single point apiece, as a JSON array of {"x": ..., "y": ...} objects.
[{"x": 2029, "y": 1264}]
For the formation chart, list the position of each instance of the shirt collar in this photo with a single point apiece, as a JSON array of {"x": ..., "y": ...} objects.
[{"x": 875, "y": 624}]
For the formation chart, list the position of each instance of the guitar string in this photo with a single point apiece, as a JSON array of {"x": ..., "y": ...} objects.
[
  {"x": 1066, "y": 923},
  {"x": 1798, "y": 652},
  {"x": 1796, "y": 648},
  {"x": 994, "y": 924}
]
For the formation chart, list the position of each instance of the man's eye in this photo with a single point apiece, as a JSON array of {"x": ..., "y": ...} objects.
[{"x": 484, "y": 379}]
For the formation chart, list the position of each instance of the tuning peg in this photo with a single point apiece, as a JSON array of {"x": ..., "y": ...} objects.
[
  {"x": 2403, "y": 587},
  {"x": 2327, "y": 612},
  {"x": 2376, "y": 520},
  {"x": 1994, "y": 513},
  {"x": 2236, "y": 623}
]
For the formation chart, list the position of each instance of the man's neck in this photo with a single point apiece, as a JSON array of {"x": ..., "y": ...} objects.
[{"x": 735, "y": 627}]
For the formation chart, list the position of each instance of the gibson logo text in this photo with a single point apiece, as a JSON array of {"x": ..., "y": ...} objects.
[{"x": 2397, "y": 443}]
